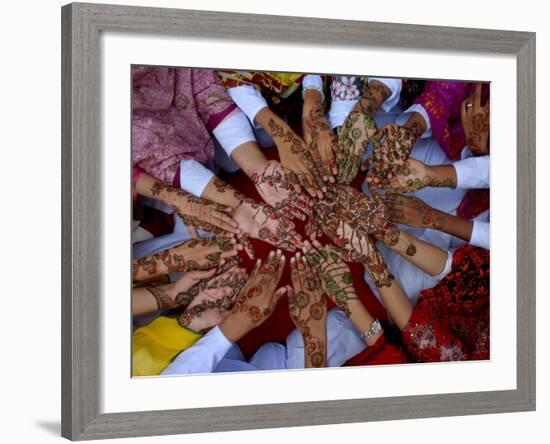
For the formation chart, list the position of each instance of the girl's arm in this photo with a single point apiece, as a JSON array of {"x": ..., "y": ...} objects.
[{"x": 426, "y": 256}]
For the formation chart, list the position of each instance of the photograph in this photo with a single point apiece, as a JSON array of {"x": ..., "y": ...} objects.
[{"x": 286, "y": 221}]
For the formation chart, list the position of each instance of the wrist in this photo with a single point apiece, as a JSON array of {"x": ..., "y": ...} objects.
[
  {"x": 312, "y": 99},
  {"x": 381, "y": 275},
  {"x": 234, "y": 327},
  {"x": 250, "y": 158},
  {"x": 436, "y": 219},
  {"x": 442, "y": 176},
  {"x": 167, "y": 195},
  {"x": 416, "y": 124}
]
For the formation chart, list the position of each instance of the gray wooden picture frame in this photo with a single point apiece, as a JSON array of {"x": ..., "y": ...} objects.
[{"x": 81, "y": 231}]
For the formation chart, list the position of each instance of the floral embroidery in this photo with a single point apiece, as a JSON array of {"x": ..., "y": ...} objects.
[{"x": 347, "y": 87}]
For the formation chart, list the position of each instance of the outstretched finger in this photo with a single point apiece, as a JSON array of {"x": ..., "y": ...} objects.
[
  {"x": 295, "y": 274},
  {"x": 256, "y": 268},
  {"x": 277, "y": 296},
  {"x": 477, "y": 96}
]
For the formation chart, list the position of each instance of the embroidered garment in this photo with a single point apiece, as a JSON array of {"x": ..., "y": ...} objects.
[
  {"x": 347, "y": 87},
  {"x": 276, "y": 87},
  {"x": 173, "y": 110},
  {"x": 442, "y": 101},
  {"x": 451, "y": 320}
]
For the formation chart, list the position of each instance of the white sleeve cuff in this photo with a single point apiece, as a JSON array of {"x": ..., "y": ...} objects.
[
  {"x": 395, "y": 86},
  {"x": 194, "y": 177},
  {"x": 315, "y": 82},
  {"x": 481, "y": 234},
  {"x": 248, "y": 99},
  {"x": 339, "y": 111},
  {"x": 404, "y": 117},
  {"x": 447, "y": 268},
  {"x": 473, "y": 172},
  {"x": 203, "y": 356},
  {"x": 233, "y": 132}
]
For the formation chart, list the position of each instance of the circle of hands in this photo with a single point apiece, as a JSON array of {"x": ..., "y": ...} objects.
[{"x": 309, "y": 183}]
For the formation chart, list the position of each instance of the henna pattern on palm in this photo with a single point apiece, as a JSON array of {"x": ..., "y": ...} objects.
[
  {"x": 257, "y": 299},
  {"x": 358, "y": 131},
  {"x": 262, "y": 222},
  {"x": 321, "y": 141},
  {"x": 308, "y": 310},
  {"x": 295, "y": 158},
  {"x": 276, "y": 190},
  {"x": 392, "y": 147},
  {"x": 335, "y": 276},
  {"x": 346, "y": 211}
]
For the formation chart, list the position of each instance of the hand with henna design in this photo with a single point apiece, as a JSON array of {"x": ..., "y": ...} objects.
[
  {"x": 259, "y": 221},
  {"x": 195, "y": 254},
  {"x": 277, "y": 191},
  {"x": 319, "y": 136},
  {"x": 336, "y": 281},
  {"x": 358, "y": 131},
  {"x": 208, "y": 309},
  {"x": 294, "y": 155},
  {"x": 475, "y": 120},
  {"x": 197, "y": 213},
  {"x": 151, "y": 298},
  {"x": 362, "y": 214},
  {"x": 334, "y": 274},
  {"x": 257, "y": 299},
  {"x": 308, "y": 310},
  {"x": 392, "y": 147},
  {"x": 412, "y": 211},
  {"x": 228, "y": 275}
]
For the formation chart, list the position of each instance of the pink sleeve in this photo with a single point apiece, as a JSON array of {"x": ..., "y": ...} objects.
[
  {"x": 213, "y": 102},
  {"x": 136, "y": 172}
]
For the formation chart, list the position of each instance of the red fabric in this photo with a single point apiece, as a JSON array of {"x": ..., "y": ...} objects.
[
  {"x": 451, "y": 320},
  {"x": 381, "y": 353},
  {"x": 279, "y": 325},
  {"x": 475, "y": 202}
]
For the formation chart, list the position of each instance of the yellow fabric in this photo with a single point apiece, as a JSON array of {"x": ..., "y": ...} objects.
[
  {"x": 155, "y": 345},
  {"x": 281, "y": 84}
]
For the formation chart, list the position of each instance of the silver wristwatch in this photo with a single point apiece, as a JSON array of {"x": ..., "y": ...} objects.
[{"x": 375, "y": 329}]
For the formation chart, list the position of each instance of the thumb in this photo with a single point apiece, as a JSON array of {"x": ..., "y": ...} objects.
[{"x": 277, "y": 296}]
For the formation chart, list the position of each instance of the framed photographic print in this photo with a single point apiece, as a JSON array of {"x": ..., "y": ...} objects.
[{"x": 292, "y": 221}]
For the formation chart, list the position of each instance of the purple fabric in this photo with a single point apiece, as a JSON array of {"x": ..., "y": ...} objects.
[
  {"x": 173, "y": 110},
  {"x": 442, "y": 101}
]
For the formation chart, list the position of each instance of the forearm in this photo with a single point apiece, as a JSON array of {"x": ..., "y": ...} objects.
[
  {"x": 276, "y": 127},
  {"x": 221, "y": 192},
  {"x": 397, "y": 304},
  {"x": 441, "y": 176},
  {"x": 453, "y": 225},
  {"x": 143, "y": 301},
  {"x": 148, "y": 186},
  {"x": 151, "y": 299},
  {"x": 249, "y": 157},
  {"x": 426, "y": 256}
]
